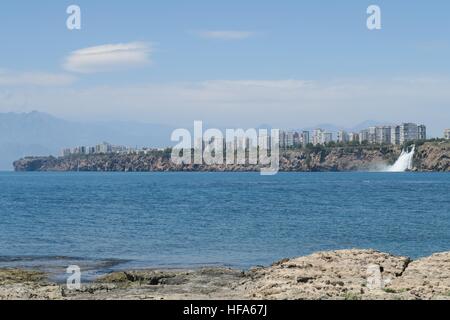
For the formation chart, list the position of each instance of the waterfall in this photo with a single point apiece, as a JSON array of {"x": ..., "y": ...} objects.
[{"x": 404, "y": 162}]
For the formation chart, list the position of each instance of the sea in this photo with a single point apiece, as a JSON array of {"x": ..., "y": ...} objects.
[{"x": 106, "y": 222}]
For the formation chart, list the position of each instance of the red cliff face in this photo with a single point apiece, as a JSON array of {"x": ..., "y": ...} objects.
[{"x": 431, "y": 156}]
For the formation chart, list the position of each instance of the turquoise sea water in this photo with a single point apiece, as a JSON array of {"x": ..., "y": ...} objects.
[{"x": 231, "y": 219}]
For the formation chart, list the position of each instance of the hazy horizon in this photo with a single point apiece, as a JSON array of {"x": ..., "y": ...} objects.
[{"x": 327, "y": 126}]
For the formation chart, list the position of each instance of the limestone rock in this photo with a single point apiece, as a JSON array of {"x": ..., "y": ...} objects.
[
  {"x": 325, "y": 275},
  {"x": 427, "y": 278},
  {"x": 343, "y": 274}
]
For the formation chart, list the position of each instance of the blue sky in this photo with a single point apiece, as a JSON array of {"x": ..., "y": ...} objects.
[{"x": 289, "y": 63}]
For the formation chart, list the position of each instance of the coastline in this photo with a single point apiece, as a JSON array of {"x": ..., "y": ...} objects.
[
  {"x": 429, "y": 157},
  {"x": 337, "y": 275}
]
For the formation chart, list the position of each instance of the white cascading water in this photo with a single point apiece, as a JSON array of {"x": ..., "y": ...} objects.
[{"x": 404, "y": 162}]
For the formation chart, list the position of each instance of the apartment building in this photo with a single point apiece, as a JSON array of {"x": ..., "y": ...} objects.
[
  {"x": 342, "y": 137},
  {"x": 408, "y": 132},
  {"x": 305, "y": 138}
]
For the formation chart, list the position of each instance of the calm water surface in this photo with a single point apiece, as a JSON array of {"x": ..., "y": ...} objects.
[{"x": 108, "y": 220}]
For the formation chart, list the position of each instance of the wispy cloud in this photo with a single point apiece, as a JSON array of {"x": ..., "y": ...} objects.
[
  {"x": 284, "y": 103},
  {"x": 109, "y": 57},
  {"x": 40, "y": 79},
  {"x": 225, "y": 34}
]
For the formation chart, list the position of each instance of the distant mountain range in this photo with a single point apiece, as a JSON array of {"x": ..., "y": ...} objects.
[{"x": 41, "y": 134}]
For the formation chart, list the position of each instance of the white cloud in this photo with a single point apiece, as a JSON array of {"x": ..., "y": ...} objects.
[
  {"x": 39, "y": 79},
  {"x": 109, "y": 57},
  {"x": 246, "y": 103},
  {"x": 225, "y": 34}
]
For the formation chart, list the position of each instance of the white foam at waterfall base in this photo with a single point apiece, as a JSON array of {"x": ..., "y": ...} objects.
[{"x": 404, "y": 162}]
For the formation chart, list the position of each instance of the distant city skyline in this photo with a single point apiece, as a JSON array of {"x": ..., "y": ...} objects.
[
  {"x": 398, "y": 134},
  {"x": 229, "y": 64}
]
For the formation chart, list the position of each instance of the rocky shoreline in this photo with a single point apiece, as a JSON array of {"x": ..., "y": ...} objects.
[
  {"x": 337, "y": 275},
  {"x": 430, "y": 156}
]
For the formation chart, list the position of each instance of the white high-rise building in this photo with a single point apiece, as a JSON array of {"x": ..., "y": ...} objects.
[
  {"x": 264, "y": 141},
  {"x": 372, "y": 135},
  {"x": 305, "y": 138},
  {"x": 103, "y": 148},
  {"x": 422, "y": 132},
  {"x": 290, "y": 139},
  {"x": 327, "y": 137},
  {"x": 342, "y": 137},
  {"x": 283, "y": 139},
  {"x": 395, "y": 135},
  {"x": 297, "y": 139},
  {"x": 320, "y": 136},
  {"x": 66, "y": 152},
  {"x": 383, "y": 135},
  {"x": 408, "y": 132},
  {"x": 317, "y": 136},
  {"x": 353, "y": 137},
  {"x": 364, "y": 136}
]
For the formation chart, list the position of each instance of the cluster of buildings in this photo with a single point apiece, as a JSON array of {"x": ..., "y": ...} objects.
[
  {"x": 290, "y": 139},
  {"x": 104, "y": 148},
  {"x": 293, "y": 139},
  {"x": 396, "y": 135},
  {"x": 393, "y": 134}
]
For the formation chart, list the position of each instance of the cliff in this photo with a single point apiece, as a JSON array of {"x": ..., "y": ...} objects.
[
  {"x": 430, "y": 156},
  {"x": 433, "y": 156}
]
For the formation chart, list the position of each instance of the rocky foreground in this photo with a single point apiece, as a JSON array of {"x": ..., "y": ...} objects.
[{"x": 342, "y": 275}]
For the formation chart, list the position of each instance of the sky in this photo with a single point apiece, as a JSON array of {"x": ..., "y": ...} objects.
[{"x": 288, "y": 63}]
